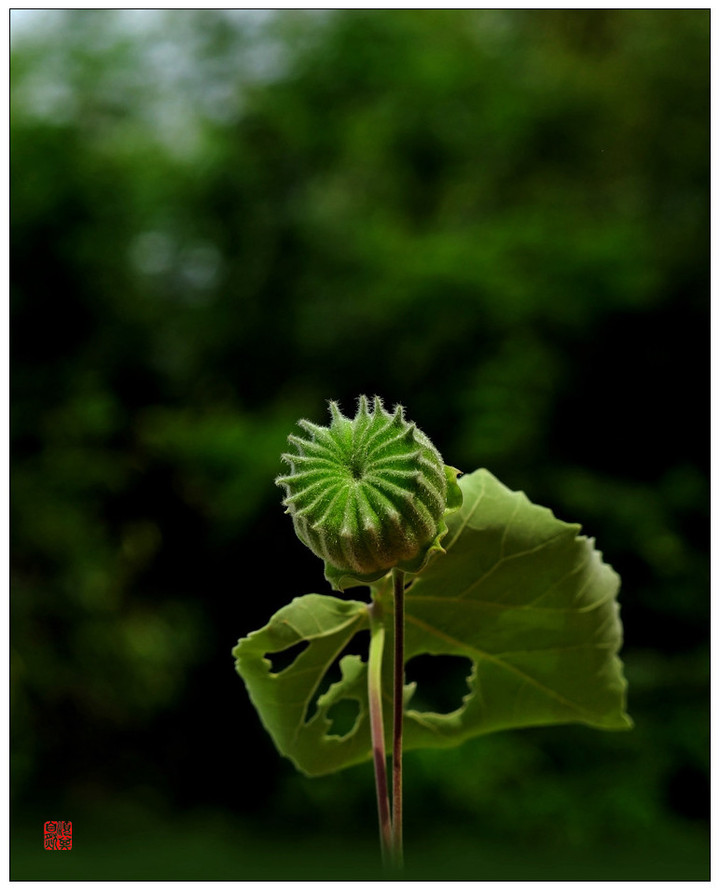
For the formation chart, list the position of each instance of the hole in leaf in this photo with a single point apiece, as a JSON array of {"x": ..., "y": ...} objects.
[
  {"x": 343, "y": 716},
  {"x": 280, "y": 661},
  {"x": 358, "y": 645},
  {"x": 442, "y": 682}
]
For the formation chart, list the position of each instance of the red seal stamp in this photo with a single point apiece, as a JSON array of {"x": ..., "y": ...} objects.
[{"x": 57, "y": 836}]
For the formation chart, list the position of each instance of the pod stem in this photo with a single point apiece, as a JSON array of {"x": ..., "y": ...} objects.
[
  {"x": 398, "y": 687},
  {"x": 377, "y": 642}
]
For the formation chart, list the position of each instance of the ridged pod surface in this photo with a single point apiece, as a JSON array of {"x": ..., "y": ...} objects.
[{"x": 368, "y": 494}]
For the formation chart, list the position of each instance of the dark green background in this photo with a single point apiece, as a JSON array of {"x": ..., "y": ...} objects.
[{"x": 222, "y": 219}]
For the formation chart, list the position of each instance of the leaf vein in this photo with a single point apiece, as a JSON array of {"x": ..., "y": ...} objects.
[
  {"x": 543, "y": 649},
  {"x": 470, "y": 513},
  {"x": 504, "y": 559},
  {"x": 511, "y": 519},
  {"x": 527, "y": 607},
  {"x": 576, "y": 570},
  {"x": 502, "y": 664}
]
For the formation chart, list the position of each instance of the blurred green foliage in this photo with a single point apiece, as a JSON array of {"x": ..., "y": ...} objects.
[{"x": 220, "y": 220}]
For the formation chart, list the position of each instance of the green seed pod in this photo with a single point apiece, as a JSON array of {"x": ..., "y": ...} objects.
[{"x": 369, "y": 494}]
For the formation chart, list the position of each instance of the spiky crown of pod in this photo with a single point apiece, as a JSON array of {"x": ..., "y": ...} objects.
[{"x": 369, "y": 494}]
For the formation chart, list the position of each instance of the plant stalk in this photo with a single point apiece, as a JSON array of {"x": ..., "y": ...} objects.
[
  {"x": 377, "y": 641},
  {"x": 398, "y": 687}
]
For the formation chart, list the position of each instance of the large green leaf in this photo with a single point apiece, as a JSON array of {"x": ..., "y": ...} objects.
[
  {"x": 534, "y": 608},
  {"x": 519, "y": 594}
]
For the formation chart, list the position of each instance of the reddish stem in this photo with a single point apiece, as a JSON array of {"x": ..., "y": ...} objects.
[
  {"x": 398, "y": 687},
  {"x": 377, "y": 640}
]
